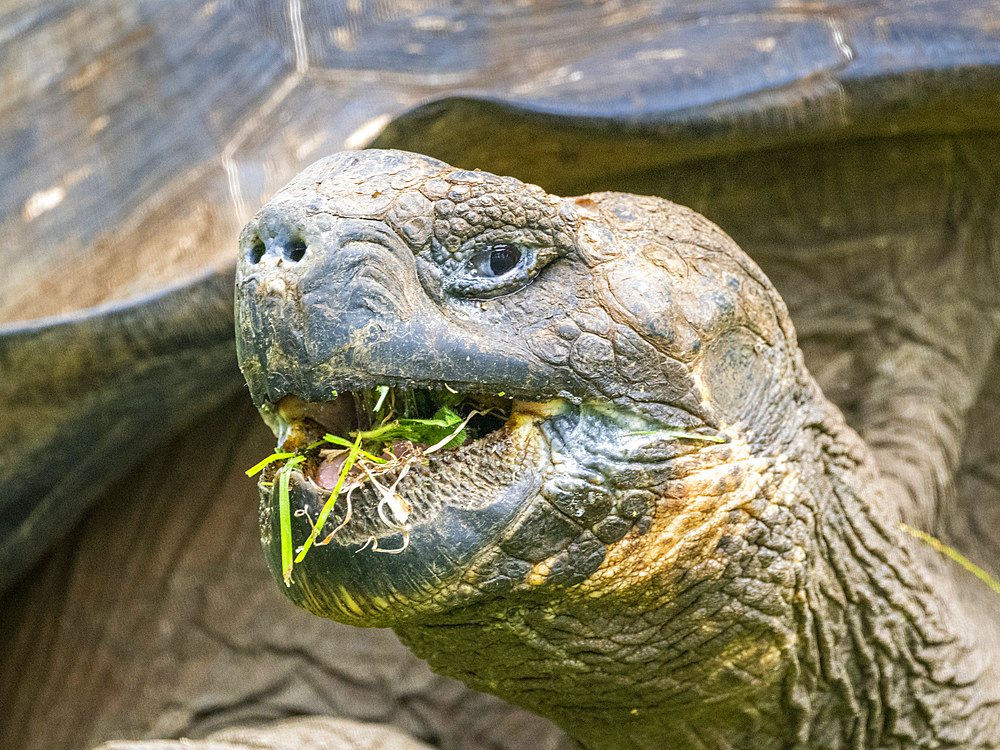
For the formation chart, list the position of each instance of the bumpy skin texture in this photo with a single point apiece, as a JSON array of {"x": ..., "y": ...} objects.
[{"x": 641, "y": 591}]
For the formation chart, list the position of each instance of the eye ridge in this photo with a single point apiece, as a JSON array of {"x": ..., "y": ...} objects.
[{"x": 503, "y": 257}]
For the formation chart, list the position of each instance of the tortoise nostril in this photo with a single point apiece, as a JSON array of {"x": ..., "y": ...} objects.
[
  {"x": 257, "y": 250},
  {"x": 295, "y": 249}
]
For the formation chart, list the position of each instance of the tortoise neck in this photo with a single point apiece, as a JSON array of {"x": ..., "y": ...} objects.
[{"x": 878, "y": 662}]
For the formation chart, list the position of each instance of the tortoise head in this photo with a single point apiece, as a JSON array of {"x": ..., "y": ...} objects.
[{"x": 620, "y": 539}]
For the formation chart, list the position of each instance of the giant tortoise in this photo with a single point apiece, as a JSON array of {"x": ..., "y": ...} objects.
[{"x": 849, "y": 149}]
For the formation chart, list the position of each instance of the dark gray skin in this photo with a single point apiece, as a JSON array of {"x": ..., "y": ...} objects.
[{"x": 639, "y": 590}]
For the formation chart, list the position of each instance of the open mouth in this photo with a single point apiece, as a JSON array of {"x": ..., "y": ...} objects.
[
  {"x": 301, "y": 423},
  {"x": 362, "y": 467},
  {"x": 393, "y": 427}
]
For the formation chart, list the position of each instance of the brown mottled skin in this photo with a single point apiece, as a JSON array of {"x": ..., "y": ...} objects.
[{"x": 750, "y": 593}]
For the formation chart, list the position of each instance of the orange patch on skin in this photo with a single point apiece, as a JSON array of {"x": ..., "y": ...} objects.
[
  {"x": 540, "y": 571},
  {"x": 686, "y": 523}
]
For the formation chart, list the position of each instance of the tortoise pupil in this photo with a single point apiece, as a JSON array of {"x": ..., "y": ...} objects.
[{"x": 503, "y": 258}]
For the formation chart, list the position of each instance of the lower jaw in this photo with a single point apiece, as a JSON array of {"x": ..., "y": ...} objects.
[{"x": 346, "y": 580}]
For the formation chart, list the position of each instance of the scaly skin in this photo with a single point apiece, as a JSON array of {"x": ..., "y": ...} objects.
[{"x": 639, "y": 590}]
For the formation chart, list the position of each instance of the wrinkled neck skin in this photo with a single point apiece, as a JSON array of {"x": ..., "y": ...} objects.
[{"x": 766, "y": 602}]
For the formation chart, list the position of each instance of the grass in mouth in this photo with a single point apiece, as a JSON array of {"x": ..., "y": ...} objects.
[{"x": 395, "y": 444}]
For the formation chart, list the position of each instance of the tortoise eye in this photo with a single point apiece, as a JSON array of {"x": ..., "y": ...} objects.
[
  {"x": 503, "y": 257},
  {"x": 497, "y": 269},
  {"x": 496, "y": 260}
]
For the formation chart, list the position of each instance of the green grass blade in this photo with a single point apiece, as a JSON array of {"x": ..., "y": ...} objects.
[
  {"x": 285, "y": 517},
  {"x": 952, "y": 553},
  {"x": 424, "y": 431},
  {"x": 337, "y": 440},
  {"x": 270, "y": 459},
  {"x": 328, "y": 506},
  {"x": 349, "y": 445}
]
